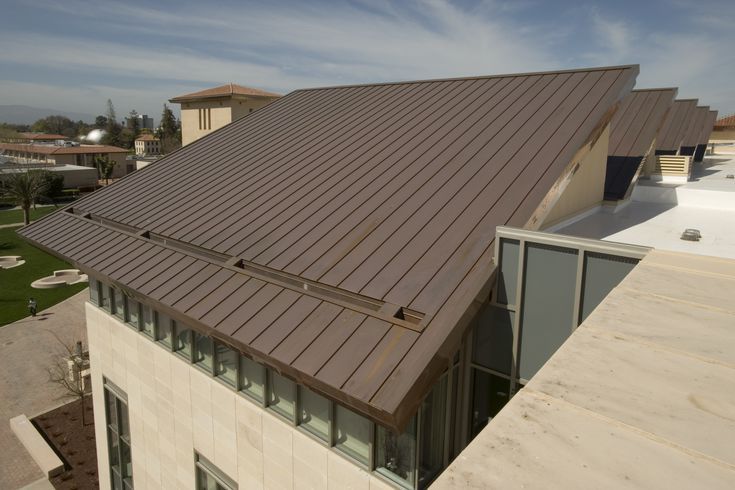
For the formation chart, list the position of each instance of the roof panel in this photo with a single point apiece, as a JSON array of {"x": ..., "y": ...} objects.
[{"x": 392, "y": 191}]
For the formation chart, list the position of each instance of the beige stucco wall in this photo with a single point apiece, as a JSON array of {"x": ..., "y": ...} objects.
[
  {"x": 586, "y": 189},
  {"x": 719, "y": 135},
  {"x": 176, "y": 409},
  {"x": 224, "y": 111},
  {"x": 241, "y": 108}
]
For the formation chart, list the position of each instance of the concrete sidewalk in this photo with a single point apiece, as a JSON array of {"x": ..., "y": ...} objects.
[{"x": 27, "y": 350}]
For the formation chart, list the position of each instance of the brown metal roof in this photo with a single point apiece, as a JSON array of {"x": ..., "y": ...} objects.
[
  {"x": 226, "y": 90},
  {"x": 675, "y": 125},
  {"x": 380, "y": 200},
  {"x": 634, "y": 127},
  {"x": 697, "y": 121}
]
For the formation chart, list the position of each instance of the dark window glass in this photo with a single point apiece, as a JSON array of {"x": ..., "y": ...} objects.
[
  {"x": 489, "y": 394},
  {"x": 281, "y": 395},
  {"x": 395, "y": 454},
  {"x": 182, "y": 340},
  {"x": 118, "y": 304},
  {"x": 352, "y": 434},
  {"x": 314, "y": 413},
  {"x": 493, "y": 339},
  {"x": 118, "y": 440},
  {"x": 106, "y": 304},
  {"x": 164, "y": 330},
  {"x": 132, "y": 312},
  {"x": 94, "y": 291},
  {"x": 203, "y": 351},
  {"x": 252, "y": 378},
  {"x": 226, "y": 367},
  {"x": 433, "y": 423},
  {"x": 146, "y": 320}
]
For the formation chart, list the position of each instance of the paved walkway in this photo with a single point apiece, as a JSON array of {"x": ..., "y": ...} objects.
[{"x": 27, "y": 350}]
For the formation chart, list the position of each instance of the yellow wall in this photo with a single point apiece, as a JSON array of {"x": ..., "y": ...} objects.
[
  {"x": 587, "y": 187},
  {"x": 223, "y": 111}
]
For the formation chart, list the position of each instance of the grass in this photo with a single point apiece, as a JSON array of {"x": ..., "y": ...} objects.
[
  {"x": 12, "y": 216},
  {"x": 15, "y": 283}
]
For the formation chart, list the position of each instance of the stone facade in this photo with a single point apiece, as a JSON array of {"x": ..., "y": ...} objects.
[{"x": 176, "y": 409}]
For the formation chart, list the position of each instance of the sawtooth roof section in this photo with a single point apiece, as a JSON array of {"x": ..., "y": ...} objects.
[
  {"x": 390, "y": 193},
  {"x": 636, "y": 123},
  {"x": 707, "y": 128},
  {"x": 698, "y": 120},
  {"x": 675, "y": 125}
]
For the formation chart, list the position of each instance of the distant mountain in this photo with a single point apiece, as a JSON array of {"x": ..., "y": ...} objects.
[{"x": 23, "y": 114}]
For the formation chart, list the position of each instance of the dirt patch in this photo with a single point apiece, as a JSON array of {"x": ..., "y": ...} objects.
[{"x": 73, "y": 442}]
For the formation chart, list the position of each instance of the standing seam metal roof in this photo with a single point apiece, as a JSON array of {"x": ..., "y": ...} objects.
[
  {"x": 634, "y": 126},
  {"x": 676, "y": 125},
  {"x": 385, "y": 194}
]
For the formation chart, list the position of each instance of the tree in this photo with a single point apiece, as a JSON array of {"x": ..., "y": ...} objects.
[
  {"x": 113, "y": 128},
  {"x": 67, "y": 371},
  {"x": 7, "y": 132},
  {"x": 105, "y": 166},
  {"x": 56, "y": 125},
  {"x": 24, "y": 189},
  {"x": 53, "y": 184},
  {"x": 100, "y": 122},
  {"x": 168, "y": 132}
]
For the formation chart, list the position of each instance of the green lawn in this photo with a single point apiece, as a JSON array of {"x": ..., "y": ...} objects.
[
  {"x": 10, "y": 216},
  {"x": 15, "y": 283}
]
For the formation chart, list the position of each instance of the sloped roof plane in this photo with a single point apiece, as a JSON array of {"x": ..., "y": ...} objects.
[
  {"x": 343, "y": 235},
  {"x": 698, "y": 120},
  {"x": 707, "y": 128},
  {"x": 634, "y": 126},
  {"x": 677, "y": 122},
  {"x": 632, "y": 134}
]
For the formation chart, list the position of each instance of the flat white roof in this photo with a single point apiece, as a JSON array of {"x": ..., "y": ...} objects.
[
  {"x": 659, "y": 213},
  {"x": 642, "y": 395}
]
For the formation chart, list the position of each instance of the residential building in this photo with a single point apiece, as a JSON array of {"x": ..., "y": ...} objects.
[
  {"x": 36, "y": 138},
  {"x": 51, "y": 155},
  {"x": 147, "y": 144},
  {"x": 208, "y": 110},
  {"x": 344, "y": 288}
]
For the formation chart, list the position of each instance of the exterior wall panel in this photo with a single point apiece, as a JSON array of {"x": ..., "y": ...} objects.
[{"x": 176, "y": 409}]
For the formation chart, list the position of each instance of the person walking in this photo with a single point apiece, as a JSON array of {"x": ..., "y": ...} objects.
[{"x": 32, "y": 306}]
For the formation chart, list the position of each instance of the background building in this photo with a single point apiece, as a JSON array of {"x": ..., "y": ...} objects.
[
  {"x": 147, "y": 144},
  {"x": 207, "y": 110}
]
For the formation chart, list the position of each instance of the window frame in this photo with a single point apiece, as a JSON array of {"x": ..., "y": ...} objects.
[{"x": 203, "y": 464}]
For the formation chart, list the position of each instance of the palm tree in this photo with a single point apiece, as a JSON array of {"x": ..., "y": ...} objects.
[{"x": 24, "y": 189}]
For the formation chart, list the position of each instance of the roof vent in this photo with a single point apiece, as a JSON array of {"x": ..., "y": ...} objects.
[
  {"x": 730, "y": 176},
  {"x": 691, "y": 235}
]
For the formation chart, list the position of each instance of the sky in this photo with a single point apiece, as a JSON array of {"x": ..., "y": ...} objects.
[{"x": 73, "y": 55}]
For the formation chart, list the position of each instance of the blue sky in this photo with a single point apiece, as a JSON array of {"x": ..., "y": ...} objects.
[{"x": 74, "y": 55}]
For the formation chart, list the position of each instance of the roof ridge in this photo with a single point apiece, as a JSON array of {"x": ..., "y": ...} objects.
[{"x": 474, "y": 77}]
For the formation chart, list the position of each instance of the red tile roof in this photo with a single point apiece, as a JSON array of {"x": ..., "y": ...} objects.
[
  {"x": 61, "y": 150},
  {"x": 146, "y": 137},
  {"x": 43, "y": 136},
  {"x": 226, "y": 90},
  {"x": 725, "y": 122}
]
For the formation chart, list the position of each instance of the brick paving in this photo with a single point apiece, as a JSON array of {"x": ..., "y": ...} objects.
[{"x": 27, "y": 350}]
